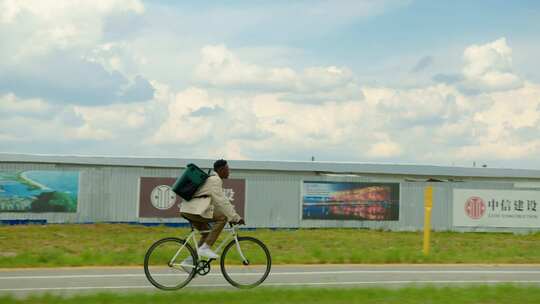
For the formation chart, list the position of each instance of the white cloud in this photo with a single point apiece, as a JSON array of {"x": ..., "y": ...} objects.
[
  {"x": 118, "y": 56},
  {"x": 9, "y": 103},
  {"x": 114, "y": 116},
  {"x": 326, "y": 77},
  {"x": 433, "y": 128},
  {"x": 488, "y": 67},
  {"x": 429, "y": 105},
  {"x": 8, "y": 10},
  {"x": 30, "y": 129},
  {"x": 9, "y": 138},
  {"x": 499, "y": 151},
  {"x": 307, "y": 125},
  {"x": 87, "y": 132},
  {"x": 66, "y": 78},
  {"x": 219, "y": 66},
  {"x": 432, "y": 124},
  {"x": 242, "y": 103},
  {"x": 515, "y": 108},
  {"x": 44, "y": 121},
  {"x": 233, "y": 149},
  {"x": 38, "y": 26},
  {"x": 254, "y": 123},
  {"x": 384, "y": 149},
  {"x": 511, "y": 126},
  {"x": 46, "y": 52},
  {"x": 428, "y": 125},
  {"x": 179, "y": 126}
]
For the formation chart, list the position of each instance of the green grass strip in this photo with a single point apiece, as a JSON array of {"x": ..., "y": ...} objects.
[
  {"x": 451, "y": 295},
  {"x": 120, "y": 244}
]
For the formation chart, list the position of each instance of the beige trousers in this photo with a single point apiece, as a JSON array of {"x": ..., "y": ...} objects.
[{"x": 201, "y": 223}]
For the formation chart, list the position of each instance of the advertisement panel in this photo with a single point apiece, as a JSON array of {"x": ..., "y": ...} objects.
[
  {"x": 156, "y": 198},
  {"x": 350, "y": 201},
  {"x": 496, "y": 208},
  {"x": 39, "y": 191}
]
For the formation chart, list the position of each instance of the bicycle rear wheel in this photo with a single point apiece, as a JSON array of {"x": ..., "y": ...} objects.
[
  {"x": 170, "y": 263},
  {"x": 245, "y": 264}
]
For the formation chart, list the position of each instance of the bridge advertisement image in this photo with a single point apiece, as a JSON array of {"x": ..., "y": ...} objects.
[
  {"x": 350, "y": 201},
  {"x": 39, "y": 191}
]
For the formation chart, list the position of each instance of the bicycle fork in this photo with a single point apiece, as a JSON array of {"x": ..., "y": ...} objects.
[{"x": 245, "y": 261}]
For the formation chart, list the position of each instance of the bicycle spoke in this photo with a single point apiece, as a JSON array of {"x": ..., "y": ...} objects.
[
  {"x": 169, "y": 264},
  {"x": 245, "y": 264}
]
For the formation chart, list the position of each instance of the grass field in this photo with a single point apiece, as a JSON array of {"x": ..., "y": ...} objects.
[
  {"x": 505, "y": 294},
  {"x": 120, "y": 244}
]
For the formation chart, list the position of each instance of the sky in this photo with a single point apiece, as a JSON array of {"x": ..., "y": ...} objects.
[{"x": 451, "y": 83}]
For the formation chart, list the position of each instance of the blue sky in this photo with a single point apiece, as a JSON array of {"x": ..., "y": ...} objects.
[
  {"x": 429, "y": 82},
  {"x": 397, "y": 29}
]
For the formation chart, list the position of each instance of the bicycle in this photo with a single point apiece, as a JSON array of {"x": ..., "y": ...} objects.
[{"x": 171, "y": 263}]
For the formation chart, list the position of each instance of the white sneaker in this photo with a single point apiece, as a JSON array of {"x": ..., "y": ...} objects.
[{"x": 207, "y": 253}]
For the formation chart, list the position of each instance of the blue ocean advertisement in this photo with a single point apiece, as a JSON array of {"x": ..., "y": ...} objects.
[
  {"x": 350, "y": 201},
  {"x": 39, "y": 191}
]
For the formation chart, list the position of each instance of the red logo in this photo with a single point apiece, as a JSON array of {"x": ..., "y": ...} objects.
[{"x": 475, "y": 207}]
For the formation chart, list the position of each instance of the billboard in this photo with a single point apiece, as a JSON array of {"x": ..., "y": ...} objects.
[
  {"x": 350, "y": 201},
  {"x": 39, "y": 191},
  {"x": 156, "y": 198},
  {"x": 496, "y": 208}
]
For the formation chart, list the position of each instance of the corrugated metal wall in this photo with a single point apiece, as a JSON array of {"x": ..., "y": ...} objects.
[{"x": 273, "y": 199}]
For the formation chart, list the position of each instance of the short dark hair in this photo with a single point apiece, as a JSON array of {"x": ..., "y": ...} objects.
[{"x": 220, "y": 163}]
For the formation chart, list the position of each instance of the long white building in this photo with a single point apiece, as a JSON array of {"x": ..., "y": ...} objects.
[{"x": 275, "y": 194}]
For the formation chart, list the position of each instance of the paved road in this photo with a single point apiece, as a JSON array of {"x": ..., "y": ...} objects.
[{"x": 22, "y": 282}]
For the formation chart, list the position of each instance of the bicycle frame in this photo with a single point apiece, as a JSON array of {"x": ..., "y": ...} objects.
[
  {"x": 182, "y": 267},
  {"x": 192, "y": 237}
]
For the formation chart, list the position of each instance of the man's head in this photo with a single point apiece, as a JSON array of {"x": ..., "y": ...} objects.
[{"x": 221, "y": 168}]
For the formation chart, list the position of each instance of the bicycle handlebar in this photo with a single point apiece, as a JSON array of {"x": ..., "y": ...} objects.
[{"x": 231, "y": 224}]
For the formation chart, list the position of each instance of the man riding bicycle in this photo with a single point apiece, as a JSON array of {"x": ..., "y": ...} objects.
[{"x": 209, "y": 205}]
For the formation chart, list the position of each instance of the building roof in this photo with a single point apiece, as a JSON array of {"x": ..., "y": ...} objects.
[{"x": 298, "y": 166}]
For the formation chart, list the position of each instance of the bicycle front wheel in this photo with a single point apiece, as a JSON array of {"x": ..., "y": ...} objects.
[
  {"x": 169, "y": 263},
  {"x": 245, "y": 263}
]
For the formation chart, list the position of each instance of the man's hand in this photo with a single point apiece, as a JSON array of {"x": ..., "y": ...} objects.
[{"x": 240, "y": 222}]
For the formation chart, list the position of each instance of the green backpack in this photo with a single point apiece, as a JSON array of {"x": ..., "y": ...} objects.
[{"x": 190, "y": 181}]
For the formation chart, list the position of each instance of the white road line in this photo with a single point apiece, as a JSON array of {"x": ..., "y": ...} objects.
[
  {"x": 74, "y": 276},
  {"x": 404, "y": 282},
  {"x": 74, "y": 288},
  {"x": 289, "y": 273},
  {"x": 286, "y": 284}
]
